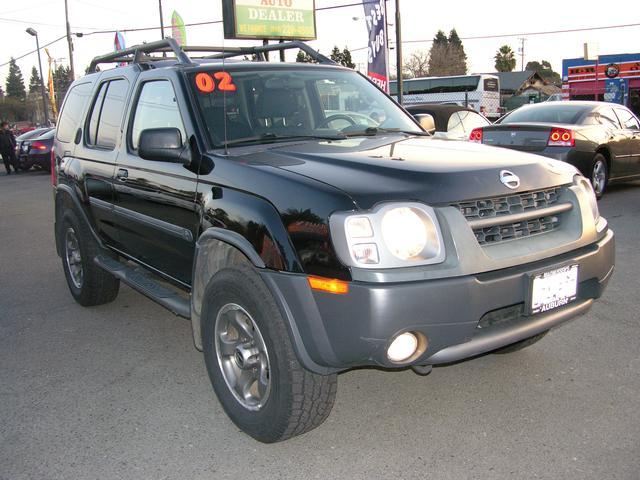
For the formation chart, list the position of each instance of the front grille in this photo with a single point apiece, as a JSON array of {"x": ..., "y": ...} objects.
[{"x": 479, "y": 212}]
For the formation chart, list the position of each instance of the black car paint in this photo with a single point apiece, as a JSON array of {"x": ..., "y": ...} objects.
[
  {"x": 29, "y": 157},
  {"x": 279, "y": 198}
]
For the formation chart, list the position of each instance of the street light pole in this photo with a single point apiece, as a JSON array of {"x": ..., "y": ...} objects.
[
  {"x": 69, "y": 42},
  {"x": 161, "y": 20},
  {"x": 398, "y": 53},
  {"x": 33, "y": 33}
]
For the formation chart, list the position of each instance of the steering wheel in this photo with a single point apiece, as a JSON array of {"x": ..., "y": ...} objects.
[{"x": 337, "y": 116}]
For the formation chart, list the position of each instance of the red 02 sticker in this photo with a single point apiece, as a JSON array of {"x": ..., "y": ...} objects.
[{"x": 206, "y": 82}]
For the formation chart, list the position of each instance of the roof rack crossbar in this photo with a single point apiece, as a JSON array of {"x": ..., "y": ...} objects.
[
  {"x": 166, "y": 45},
  {"x": 140, "y": 53}
]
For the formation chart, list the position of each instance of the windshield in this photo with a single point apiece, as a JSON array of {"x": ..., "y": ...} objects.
[
  {"x": 266, "y": 104},
  {"x": 562, "y": 112}
]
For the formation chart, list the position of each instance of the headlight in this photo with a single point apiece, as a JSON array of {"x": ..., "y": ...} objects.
[
  {"x": 390, "y": 236},
  {"x": 587, "y": 188}
]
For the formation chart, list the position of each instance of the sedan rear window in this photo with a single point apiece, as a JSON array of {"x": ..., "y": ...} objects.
[{"x": 563, "y": 112}]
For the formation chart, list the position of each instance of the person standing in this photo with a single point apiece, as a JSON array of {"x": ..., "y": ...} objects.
[{"x": 8, "y": 148}]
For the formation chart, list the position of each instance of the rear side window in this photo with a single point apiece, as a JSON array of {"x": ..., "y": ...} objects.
[
  {"x": 627, "y": 119},
  {"x": 157, "y": 108},
  {"x": 71, "y": 116},
  {"x": 106, "y": 116}
]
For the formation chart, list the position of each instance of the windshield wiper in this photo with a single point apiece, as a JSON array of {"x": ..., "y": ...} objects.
[
  {"x": 373, "y": 131},
  {"x": 270, "y": 137}
]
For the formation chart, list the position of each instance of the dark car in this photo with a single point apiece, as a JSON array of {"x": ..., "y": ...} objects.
[
  {"x": 601, "y": 139},
  {"x": 23, "y": 147},
  {"x": 223, "y": 190},
  {"x": 450, "y": 121}
]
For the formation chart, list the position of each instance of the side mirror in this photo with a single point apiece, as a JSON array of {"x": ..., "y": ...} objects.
[
  {"x": 162, "y": 145},
  {"x": 426, "y": 121}
]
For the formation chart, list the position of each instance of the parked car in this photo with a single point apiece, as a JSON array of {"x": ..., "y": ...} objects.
[
  {"x": 36, "y": 152},
  {"x": 601, "y": 139},
  {"x": 18, "y": 128},
  {"x": 23, "y": 146},
  {"x": 450, "y": 121},
  {"x": 218, "y": 189}
]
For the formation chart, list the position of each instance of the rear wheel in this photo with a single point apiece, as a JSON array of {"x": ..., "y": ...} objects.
[
  {"x": 251, "y": 363},
  {"x": 599, "y": 175},
  {"x": 514, "y": 347},
  {"x": 88, "y": 283}
]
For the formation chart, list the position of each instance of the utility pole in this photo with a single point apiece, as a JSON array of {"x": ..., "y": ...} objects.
[
  {"x": 161, "y": 20},
  {"x": 521, "y": 52},
  {"x": 69, "y": 41},
  {"x": 398, "y": 52}
]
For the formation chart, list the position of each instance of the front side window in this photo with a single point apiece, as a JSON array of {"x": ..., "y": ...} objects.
[
  {"x": 157, "y": 107},
  {"x": 311, "y": 101}
]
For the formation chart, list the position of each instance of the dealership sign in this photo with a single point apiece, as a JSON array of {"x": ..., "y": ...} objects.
[
  {"x": 269, "y": 19},
  {"x": 377, "y": 65}
]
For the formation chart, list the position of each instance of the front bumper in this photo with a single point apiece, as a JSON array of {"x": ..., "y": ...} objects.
[{"x": 336, "y": 332}]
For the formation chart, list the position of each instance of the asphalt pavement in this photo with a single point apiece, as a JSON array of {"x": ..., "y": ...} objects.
[{"x": 119, "y": 392}]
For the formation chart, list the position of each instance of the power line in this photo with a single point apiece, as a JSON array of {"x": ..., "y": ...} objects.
[{"x": 34, "y": 51}]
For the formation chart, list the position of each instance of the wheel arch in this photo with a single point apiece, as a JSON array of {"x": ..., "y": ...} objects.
[
  {"x": 606, "y": 153},
  {"x": 66, "y": 197}
]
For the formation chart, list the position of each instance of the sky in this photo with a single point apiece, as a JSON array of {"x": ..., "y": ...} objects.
[{"x": 421, "y": 19}]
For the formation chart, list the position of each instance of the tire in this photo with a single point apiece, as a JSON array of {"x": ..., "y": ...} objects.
[
  {"x": 88, "y": 283},
  {"x": 514, "y": 347},
  {"x": 599, "y": 175},
  {"x": 281, "y": 398}
]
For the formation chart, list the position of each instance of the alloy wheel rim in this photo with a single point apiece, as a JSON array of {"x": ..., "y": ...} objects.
[
  {"x": 73, "y": 257},
  {"x": 599, "y": 177},
  {"x": 242, "y": 356}
]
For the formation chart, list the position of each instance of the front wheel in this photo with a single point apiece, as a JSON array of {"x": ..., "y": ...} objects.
[
  {"x": 599, "y": 175},
  {"x": 251, "y": 363}
]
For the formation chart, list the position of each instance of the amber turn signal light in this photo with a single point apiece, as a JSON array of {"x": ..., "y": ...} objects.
[{"x": 330, "y": 285}]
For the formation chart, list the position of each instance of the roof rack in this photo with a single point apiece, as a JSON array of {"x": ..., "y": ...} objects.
[{"x": 142, "y": 53}]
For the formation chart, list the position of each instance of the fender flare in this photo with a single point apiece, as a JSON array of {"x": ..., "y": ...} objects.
[
  {"x": 217, "y": 249},
  {"x": 65, "y": 191}
]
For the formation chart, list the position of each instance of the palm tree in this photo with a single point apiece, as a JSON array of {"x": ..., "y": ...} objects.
[{"x": 505, "y": 59}]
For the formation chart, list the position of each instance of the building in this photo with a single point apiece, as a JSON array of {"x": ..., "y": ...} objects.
[
  {"x": 613, "y": 78},
  {"x": 518, "y": 88}
]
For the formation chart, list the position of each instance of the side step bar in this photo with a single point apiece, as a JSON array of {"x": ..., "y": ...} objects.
[{"x": 145, "y": 285}]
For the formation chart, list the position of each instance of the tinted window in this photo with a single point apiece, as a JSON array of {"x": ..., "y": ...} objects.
[
  {"x": 71, "y": 116},
  {"x": 552, "y": 113},
  {"x": 157, "y": 108},
  {"x": 627, "y": 119},
  {"x": 491, "y": 84},
  {"x": 607, "y": 117},
  {"x": 92, "y": 130},
  {"x": 442, "y": 85},
  {"x": 111, "y": 116}
]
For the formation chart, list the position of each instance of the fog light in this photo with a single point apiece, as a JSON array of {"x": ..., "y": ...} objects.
[{"x": 403, "y": 347}]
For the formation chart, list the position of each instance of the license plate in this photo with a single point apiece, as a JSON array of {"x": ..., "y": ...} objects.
[{"x": 553, "y": 289}]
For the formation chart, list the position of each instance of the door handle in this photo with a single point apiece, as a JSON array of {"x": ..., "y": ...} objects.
[{"x": 122, "y": 174}]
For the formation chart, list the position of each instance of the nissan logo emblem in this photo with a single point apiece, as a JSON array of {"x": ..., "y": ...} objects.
[{"x": 509, "y": 179}]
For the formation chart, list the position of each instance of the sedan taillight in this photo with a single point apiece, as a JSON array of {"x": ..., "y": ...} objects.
[
  {"x": 38, "y": 146},
  {"x": 561, "y": 137},
  {"x": 476, "y": 135}
]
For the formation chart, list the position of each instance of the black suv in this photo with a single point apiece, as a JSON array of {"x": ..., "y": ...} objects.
[{"x": 259, "y": 200}]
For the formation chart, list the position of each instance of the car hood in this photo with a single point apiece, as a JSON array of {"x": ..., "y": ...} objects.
[{"x": 376, "y": 169}]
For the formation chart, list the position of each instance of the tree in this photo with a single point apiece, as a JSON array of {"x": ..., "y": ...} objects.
[
  {"x": 35, "y": 82},
  {"x": 505, "y": 59},
  {"x": 346, "y": 58},
  {"x": 457, "y": 54},
  {"x": 342, "y": 57},
  {"x": 545, "y": 70},
  {"x": 417, "y": 65},
  {"x": 447, "y": 56},
  {"x": 61, "y": 82},
  {"x": 15, "y": 82},
  {"x": 304, "y": 57}
]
